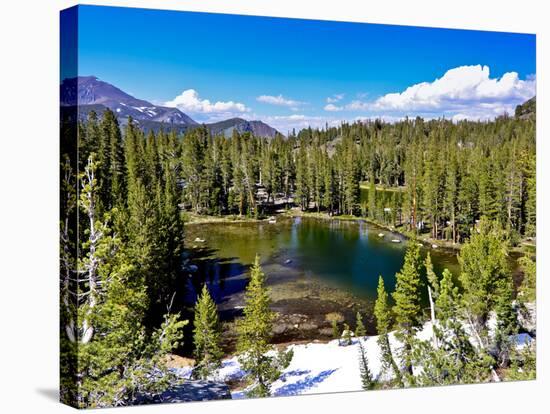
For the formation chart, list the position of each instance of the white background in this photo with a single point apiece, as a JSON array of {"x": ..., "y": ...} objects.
[{"x": 29, "y": 73}]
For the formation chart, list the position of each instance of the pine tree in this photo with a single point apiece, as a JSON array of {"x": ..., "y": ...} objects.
[
  {"x": 254, "y": 334},
  {"x": 118, "y": 358},
  {"x": 346, "y": 334},
  {"x": 335, "y": 329},
  {"x": 432, "y": 278},
  {"x": 302, "y": 189},
  {"x": 484, "y": 267},
  {"x": 372, "y": 197},
  {"x": 407, "y": 307},
  {"x": 206, "y": 336},
  {"x": 451, "y": 193},
  {"x": 382, "y": 313},
  {"x": 507, "y": 321},
  {"x": 367, "y": 380},
  {"x": 452, "y": 359},
  {"x": 527, "y": 291},
  {"x": 360, "y": 330}
]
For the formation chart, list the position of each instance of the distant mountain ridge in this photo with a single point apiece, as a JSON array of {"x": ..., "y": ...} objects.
[
  {"x": 528, "y": 109},
  {"x": 88, "y": 92},
  {"x": 91, "y": 93},
  {"x": 257, "y": 128}
]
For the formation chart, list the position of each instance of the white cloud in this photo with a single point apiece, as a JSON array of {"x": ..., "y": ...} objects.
[
  {"x": 337, "y": 97},
  {"x": 465, "y": 90},
  {"x": 190, "y": 102},
  {"x": 386, "y": 118},
  {"x": 285, "y": 123},
  {"x": 280, "y": 100},
  {"x": 358, "y": 106},
  {"x": 332, "y": 108}
]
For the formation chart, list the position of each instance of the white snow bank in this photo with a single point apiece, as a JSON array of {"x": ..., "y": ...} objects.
[
  {"x": 330, "y": 367},
  {"x": 322, "y": 367}
]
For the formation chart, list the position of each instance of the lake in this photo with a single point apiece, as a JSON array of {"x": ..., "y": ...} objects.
[{"x": 313, "y": 266}]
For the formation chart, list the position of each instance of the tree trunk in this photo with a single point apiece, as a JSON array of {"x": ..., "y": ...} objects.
[{"x": 432, "y": 317}]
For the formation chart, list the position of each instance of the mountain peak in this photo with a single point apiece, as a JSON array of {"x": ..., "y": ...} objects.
[
  {"x": 257, "y": 128},
  {"x": 91, "y": 93}
]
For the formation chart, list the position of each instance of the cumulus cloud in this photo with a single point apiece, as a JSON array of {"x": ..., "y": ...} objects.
[
  {"x": 358, "y": 105},
  {"x": 280, "y": 100},
  {"x": 465, "y": 91},
  {"x": 386, "y": 118},
  {"x": 189, "y": 101},
  {"x": 333, "y": 108},
  {"x": 337, "y": 97},
  {"x": 285, "y": 123}
]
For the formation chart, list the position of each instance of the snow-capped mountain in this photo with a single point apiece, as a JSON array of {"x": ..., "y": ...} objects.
[
  {"x": 88, "y": 92},
  {"x": 92, "y": 94}
]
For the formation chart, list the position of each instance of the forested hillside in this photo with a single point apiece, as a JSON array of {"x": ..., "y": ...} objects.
[
  {"x": 129, "y": 191},
  {"x": 444, "y": 176}
]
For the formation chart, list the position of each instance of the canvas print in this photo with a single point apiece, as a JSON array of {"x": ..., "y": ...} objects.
[{"x": 261, "y": 207}]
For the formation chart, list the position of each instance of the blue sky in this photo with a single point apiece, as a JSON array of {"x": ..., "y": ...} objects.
[{"x": 294, "y": 73}]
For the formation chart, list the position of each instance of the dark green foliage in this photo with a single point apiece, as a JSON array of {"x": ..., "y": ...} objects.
[
  {"x": 449, "y": 174},
  {"x": 117, "y": 357},
  {"x": 485, "y": 275},
  {"x": 346, "y": 335},
  {"x": 507, "y": 321},
  {"x": 382, "y": 312},
  {"x": 445, "y": 179},
  {"x": 527, "y": 291},
  {"x": 407, "y": 309},
  {"x": 130, "y": 237},
  {"x": 206, "y": 336},
  {"x": 335, "y": 329},
  {"x": 367, "y": 380},
  {"x": 254, "y": 334},
  {"x": 359, "y": 326},
  {"x": 451, "y": 359},
  {"x": 523, "y": 364}
]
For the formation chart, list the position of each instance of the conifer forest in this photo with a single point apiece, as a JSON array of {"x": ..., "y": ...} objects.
[
  {"x": 466, "y": 184},
  {"x": 290, "y": 224}
]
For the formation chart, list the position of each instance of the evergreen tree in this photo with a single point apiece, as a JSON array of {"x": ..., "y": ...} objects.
[
  {"x": 346, "y": 334},
  {"x": 206, "y": 336},
  {"x": 452, "y": 359},
  {"x": 254, "y": 334},
  {"x": 335, "y": 329},
  {"x": 118, "y": 358},
  {"x": 360, "y": 330},
  {"x": 407, "y": 307},
  {"x": 382, "y": 313},
  {"x": 527, "y": 291},
  {"x": 507, "y": 321},
  {"x": 484, "y": 270},
  {"x": 372, "y": 197},
  {"x": 367, "y": 380}
]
